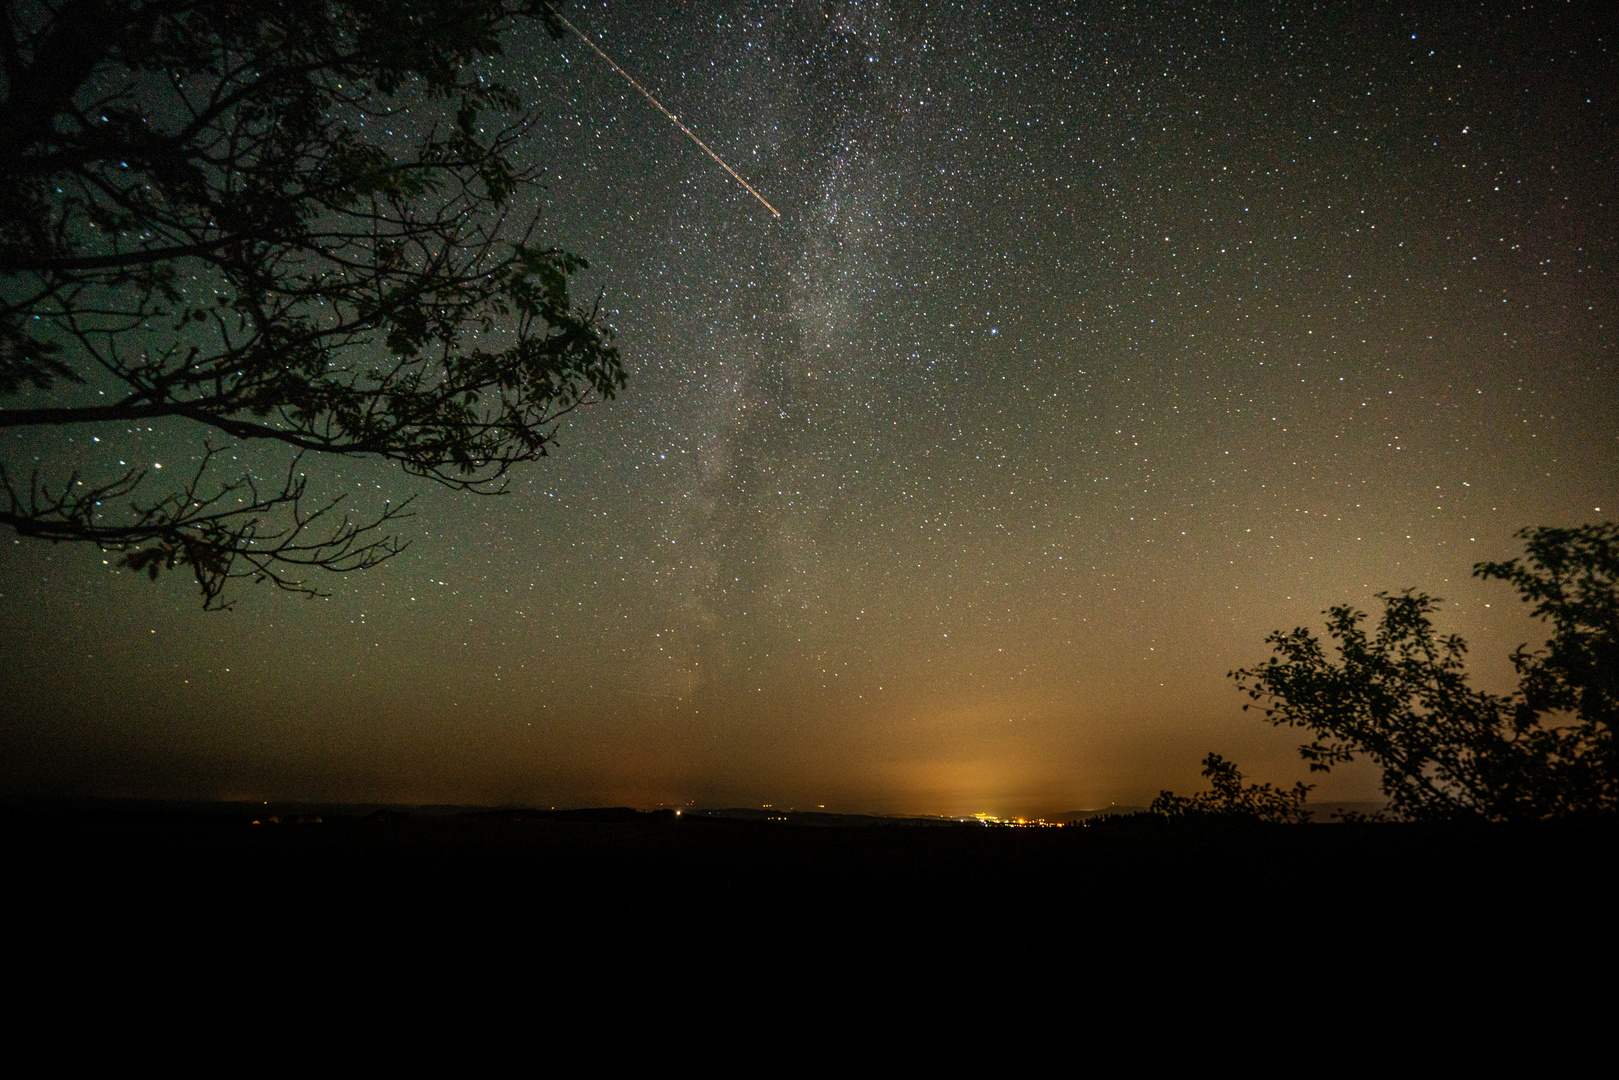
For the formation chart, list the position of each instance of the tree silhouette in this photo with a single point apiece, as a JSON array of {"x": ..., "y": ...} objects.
[
  {"x": 300, "y": 223},
  {"x": 1229, "y": 797},
  {"x": 1400, "y": 695},
  {"x": 1569, "y": 690}
]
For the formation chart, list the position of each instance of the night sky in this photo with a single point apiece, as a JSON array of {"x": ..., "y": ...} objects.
[{"x": 1094, "y": 343}]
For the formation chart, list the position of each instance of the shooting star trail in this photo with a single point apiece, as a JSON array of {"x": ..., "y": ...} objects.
[{"x": 659, "y": 106}]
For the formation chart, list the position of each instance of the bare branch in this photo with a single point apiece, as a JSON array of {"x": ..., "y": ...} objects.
[{"x": 238, "y": 531}]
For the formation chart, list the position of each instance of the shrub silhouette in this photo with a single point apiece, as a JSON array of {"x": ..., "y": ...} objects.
[{"x": 1229, "y": 798}]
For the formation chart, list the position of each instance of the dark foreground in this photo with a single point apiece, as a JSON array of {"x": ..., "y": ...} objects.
[{"x": 573, "y": 887}]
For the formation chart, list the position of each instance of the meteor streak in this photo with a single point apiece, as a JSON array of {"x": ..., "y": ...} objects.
[{"x": 659, "y": 106}]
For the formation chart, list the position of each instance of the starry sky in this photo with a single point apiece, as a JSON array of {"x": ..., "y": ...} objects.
[{"x": 1094, "y": 343}]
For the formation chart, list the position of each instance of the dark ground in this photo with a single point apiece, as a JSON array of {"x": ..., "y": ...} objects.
[{"x": 584, "y": 887}]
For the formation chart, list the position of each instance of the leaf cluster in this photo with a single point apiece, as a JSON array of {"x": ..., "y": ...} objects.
[{"x": 298, "y": 221}]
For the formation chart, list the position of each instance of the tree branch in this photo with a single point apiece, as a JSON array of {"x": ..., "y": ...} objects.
[{"x": 218, "y": 541}]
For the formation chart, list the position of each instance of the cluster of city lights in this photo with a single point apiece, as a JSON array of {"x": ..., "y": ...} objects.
[{"x": 1015, "y": 823}]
